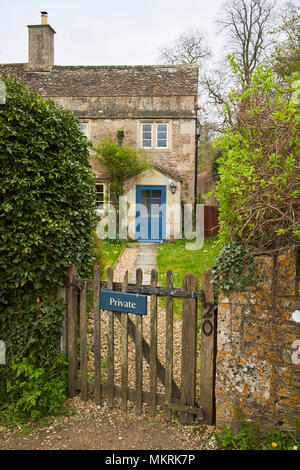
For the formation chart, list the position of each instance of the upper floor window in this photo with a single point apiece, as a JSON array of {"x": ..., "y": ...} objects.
[
  {"x": 84, "y": 127},
  {"x": 162, "y": 135},
  {"x": 155, "y": 135},
  {"x": 147, "y": 135}
]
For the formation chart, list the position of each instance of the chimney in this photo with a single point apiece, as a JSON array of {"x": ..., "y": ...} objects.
[
  {"x": 41, "y": 45},
  {"x": 44, "y": 17}
]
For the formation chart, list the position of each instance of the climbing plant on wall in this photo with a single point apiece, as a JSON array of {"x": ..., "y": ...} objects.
[{"x": 120, "y": 162}]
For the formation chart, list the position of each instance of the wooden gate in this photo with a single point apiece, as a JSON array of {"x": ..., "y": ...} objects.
[{"x": 175, "y": 398}]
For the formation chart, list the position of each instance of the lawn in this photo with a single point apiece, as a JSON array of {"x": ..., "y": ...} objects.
[
  {"x": 175, "y": 256},
  {"x": 111, "y": 252}
]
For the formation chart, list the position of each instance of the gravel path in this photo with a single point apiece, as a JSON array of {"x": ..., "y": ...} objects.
[{"x": 108, "y": 429}]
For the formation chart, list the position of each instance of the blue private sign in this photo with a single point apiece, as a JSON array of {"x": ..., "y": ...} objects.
[{"x": 123, "y": 302}]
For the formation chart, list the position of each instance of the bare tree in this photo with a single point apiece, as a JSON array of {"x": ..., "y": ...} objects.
[
  {"x": 285, "y": 58},
  {"x": 247, "y": 24},
  {"x": 189, "y": 47}
]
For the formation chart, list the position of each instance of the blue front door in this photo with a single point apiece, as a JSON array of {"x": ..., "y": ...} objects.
[{"x": 150, "y": 213}]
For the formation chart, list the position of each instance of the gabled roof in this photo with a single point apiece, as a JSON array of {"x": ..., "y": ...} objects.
[
  {"x": 140, "y": 80},
  {"x": 100, "y": 171},
  {"x": 165, "y": 171}
]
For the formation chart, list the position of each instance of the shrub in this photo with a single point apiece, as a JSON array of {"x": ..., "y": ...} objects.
[
  {"x": 258, "y": 191},
  {"x": 47, "y": 202},
  {"x": 215, "y": 164},
  {"x": 98, "y": 255},
  {"x": 34, "y": 392}
]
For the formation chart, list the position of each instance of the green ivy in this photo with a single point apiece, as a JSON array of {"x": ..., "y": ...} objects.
[
  {"x": 234, "y": 269},
  {"x": 47, "y": 219}
]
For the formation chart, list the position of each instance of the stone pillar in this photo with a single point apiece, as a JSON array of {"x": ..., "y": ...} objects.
[{"x": 258, "y": 361}]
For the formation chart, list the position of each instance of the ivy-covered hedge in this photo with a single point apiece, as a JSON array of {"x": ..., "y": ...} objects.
[{"x": 47, "y": 201}]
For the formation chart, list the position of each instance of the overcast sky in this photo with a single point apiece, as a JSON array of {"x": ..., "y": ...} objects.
[
  {"x": 110, "y": 32},
  {"x": 98, "y": 32}
]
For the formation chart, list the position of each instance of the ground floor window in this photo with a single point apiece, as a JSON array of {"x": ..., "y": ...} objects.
[{"x": 99, "y": 194}]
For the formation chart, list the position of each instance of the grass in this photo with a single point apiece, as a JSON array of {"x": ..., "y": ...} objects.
[
  {"x": 111, "y": 252},
  {"x": 175, "y": 256},
  {"x": 106, "y": 253},
  {"x": 249, "y": 437}
]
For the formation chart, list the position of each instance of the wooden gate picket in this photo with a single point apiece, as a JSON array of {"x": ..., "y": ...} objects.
[
  {"x": 97, "y": 337},
  {"x": 175, "y": 399},
  {"x": 124, "y": 351},
  {"x": 169, "y": 346},
  {"x": 153, "y": 345},
  {"x": 83, "y": 345},
  {"x": 110, "y": 345},
  {"x": 189, "y": 348}
]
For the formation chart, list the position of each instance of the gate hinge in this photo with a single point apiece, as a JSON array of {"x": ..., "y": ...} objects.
[
  {"x": 78, "y": 285},
  {"x": 201, "y": 295}
]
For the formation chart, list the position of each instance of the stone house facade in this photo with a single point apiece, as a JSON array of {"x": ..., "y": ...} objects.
[{"x": 155, "y": 105}]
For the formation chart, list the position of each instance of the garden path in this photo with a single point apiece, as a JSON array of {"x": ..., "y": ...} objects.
[{"x": 146, "y": 260}]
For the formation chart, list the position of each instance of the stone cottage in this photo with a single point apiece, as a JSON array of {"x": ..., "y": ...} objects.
[{"x": 155, "y": 105}]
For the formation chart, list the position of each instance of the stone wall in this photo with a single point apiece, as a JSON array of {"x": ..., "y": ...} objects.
[
  {"x": 178, "y": 158},
  {"x": 257, "y": 356},
  {"x": 135, "y": 107}
]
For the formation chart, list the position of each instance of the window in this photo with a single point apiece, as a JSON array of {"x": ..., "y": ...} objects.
[
  {"x": 99, "y": 194},
  {"x": 147, "y": 135},
  {"x": 162, "y": 135},
  {"x": 84, "y": 128},
  {"x": 155, "y": 135}
]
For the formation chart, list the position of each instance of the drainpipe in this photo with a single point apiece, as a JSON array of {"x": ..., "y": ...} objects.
[{"x": 197, "y": 137}]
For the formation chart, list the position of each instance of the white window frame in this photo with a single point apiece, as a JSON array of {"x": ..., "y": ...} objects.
[
  {"x": 167, "y": 135},
  {"x": 103, "y": 185},
  {"x": 86, "y": 132},
  {"x": 152, "y": 134}
]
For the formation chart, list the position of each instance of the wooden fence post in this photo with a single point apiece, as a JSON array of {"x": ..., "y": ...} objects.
[
  {"x": 110, "y": 345},
  {"x": 153, "y": 344},
  {"x": 169, "y": 346},
  {"x": 208, "y": 349},
  {"x": 97, "y": 336},
  {"x": 139, "y": 352},
  {"x": 83, "y": 344},
  {"x": 124, "y": 351},
  {"x": 189, "y": 348},
  {"x": 72, "y": 332}
]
